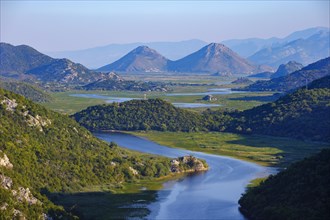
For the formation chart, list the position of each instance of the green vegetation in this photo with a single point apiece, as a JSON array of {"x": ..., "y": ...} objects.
[
  {"x": 152, "y": 114},
  {"x": 302, "y": 114},
  {"x": 63, "y": 102},
  {"x": 264, "y": 150},
  {"x": 51, "y": 153},
  {"x": 26, "y": 90},
  {"x": 302, "y": 191},
  {"x": 294, "y": 80}
]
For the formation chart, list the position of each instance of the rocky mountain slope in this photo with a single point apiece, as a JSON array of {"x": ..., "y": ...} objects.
[
  {"x": 15, "y": 60},
  {"x": 286, "y": 69},
  {"x": 214, "y": 58},
  {"x": 24, "y": 61},
  {"x": 248, "y": 47},
  {"x": 294, "y": 80},
  {"x": 141, "y": 59},
  {"x": 304, "y": 51}
]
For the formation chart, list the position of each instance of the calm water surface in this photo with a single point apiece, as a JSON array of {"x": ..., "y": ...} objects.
[{"x": 210, "y": 195}]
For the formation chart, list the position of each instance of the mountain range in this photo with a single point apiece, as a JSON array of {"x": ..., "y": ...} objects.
[
  {"x": 248, "y": 47},
  {"x": 304, "y": 51},
  {"x": 211, "y": 58},
  {"x": 24, "y": 61},
  {"x": 294, "y": 80},
  {"x": 100, "y": 56}
]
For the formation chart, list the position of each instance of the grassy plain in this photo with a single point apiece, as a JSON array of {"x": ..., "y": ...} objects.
[
  {"x": 64, "y": 103},
  {"x": 264, "y": 150}
]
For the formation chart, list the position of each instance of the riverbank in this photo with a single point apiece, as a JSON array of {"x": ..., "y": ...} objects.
[
  {"x": 263, "y": 150},
  {"x": 213, "y": 193}
]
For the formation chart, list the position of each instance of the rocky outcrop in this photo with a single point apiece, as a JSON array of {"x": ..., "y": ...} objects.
[
  {"x": 37, "y": 121},
  {"x": 187, "y": 164},
  {"x": 10, "y": 104},
  {"x": 134, "y": 171},
  {"x": 6, "y": 182},
  {"x": 4, "y": 161},
  {"x": 24, "y": 194}
]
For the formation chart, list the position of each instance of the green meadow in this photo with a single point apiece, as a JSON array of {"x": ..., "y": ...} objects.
[{"x": 264, "y": 150}]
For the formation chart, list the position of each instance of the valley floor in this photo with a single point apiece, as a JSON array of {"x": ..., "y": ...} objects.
[{"x": 263, "y": 150}]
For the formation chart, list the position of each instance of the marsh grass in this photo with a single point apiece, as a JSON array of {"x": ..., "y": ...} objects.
[{"x": 264, "y": 150}]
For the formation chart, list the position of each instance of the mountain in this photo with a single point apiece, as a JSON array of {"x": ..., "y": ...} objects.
[
  {"x": 141, "y": 59},
  {"x": 43, "y": 153},
  {"x": 100, "y": 56},
  {"x": 19, "y": 59},
  {"x": 247, "y": 47},
  {"x": 302, "y": 191},
  {"x": 213, "y": 58},
  {"x": 24, "y": 61},
  {"x": 294, "y": 80},
  {"x": 286, "y": 69},
  {"x": 304, "y": 51},
  {"x": 65, "y": 71}
]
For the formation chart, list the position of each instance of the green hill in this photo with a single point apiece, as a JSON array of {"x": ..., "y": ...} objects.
[
  {"x": 48, "y": 152},
  {"x": 26, "y": 90},
  {"x": 152, "y": 114},
  {"x": 302, "y": 114},
  {"x": 302, "y": 191}
]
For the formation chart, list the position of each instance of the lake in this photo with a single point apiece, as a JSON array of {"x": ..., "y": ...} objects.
[
  {"x": 209, "y": 195},
  {"x": 111, "y": 99}
]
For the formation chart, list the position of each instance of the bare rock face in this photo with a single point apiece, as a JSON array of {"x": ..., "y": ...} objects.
[
  {"x": 6, "y": 182},
  {"x": 134, "y": 171},
  {"x": 38, "y": 121},
  {"x": 18, "y": 215},
  {"x": 24, "y": 194},
  {"x": 4, "y": 161},
  {"x": 187, "y": 164},
  {"x": 10, "y": 104}
]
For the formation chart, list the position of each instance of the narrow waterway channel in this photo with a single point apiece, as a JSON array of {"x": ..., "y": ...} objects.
[{"x": 210, "y": 195}]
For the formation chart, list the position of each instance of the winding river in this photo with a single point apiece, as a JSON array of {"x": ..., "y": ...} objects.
[{"x": 210, "y": 195}]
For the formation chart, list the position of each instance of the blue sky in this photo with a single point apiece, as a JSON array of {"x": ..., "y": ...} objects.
[{"x": 70, "y": 25}]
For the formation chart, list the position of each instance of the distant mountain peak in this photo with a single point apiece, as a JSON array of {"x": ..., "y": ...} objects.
[
  {"x": 214, "y": 57},
  {"x": 140, "y": 59}
]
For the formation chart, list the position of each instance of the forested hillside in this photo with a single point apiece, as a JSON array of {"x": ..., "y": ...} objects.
[
  {"x": 302, "y": 191},
  {"x": 152, "y": 114},
  {"x": 26, "y": 90},
  {"x": 49, "y": 152},
  {"x": 301, "y": 114}
]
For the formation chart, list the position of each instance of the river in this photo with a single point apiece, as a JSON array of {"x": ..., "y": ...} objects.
[{"x": 209, "y": 195}]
